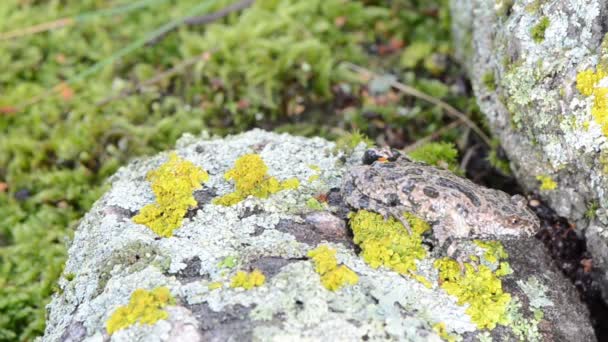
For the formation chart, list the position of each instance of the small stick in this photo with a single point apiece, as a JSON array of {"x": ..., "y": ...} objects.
[
  {"x": 467, "y": 157},
  {"x": 51, "y": 25},
  {"x": 84, "y": 17},
  {"x": 431, "y": 137},
  {"x": 417, "y": 93},
  {"x": 205, "y": 19},
  {"x": 161, "y": 76}
]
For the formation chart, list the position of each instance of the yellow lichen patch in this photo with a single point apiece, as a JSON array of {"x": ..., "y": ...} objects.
[
  {"x": 214, "y": 285},
  {"x": 333, "y": 277},
  {"x": 494, "y": 250},
  {"x": 477, "y": 286},
  {"x": 248, "y": 280},
  {"x": 546, "y": 183},
  {"x": 338, "y": 277},
  {"x": 388, "y": 243},
  {"x": 317, "y": 174},
  {"x": 172, "y": 184},
  {"x": 250, "y": 178},
  {"x": 145, "y": 307},
  {"x": 441, "y": 330},
  {"x": 587, "y": 83}
]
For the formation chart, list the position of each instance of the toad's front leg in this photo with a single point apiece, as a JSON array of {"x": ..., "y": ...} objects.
[{"x": 397, "y": 213}]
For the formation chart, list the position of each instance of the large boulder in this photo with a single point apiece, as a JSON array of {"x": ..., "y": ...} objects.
[
  {"x": 539, "y": 70},
  {"x": 282, "y": 264}
]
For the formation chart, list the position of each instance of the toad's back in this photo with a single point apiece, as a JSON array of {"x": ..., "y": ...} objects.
[{"x": 458, "y": 205}]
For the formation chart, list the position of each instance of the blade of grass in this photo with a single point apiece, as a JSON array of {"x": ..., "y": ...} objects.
[
  {"x": 81, "y": 18},
  {"x": 205, "y": 19},
  {"x": 202, "y": 7}
]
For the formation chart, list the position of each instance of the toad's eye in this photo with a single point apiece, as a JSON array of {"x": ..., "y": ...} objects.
[{"x": 514, "y": 220}]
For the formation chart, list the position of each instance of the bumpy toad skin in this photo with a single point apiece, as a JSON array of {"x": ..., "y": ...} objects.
[{"x": 455, "y": 206}]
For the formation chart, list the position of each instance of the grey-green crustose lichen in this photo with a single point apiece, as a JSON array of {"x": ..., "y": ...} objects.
[{"x": 227, "y": 239}]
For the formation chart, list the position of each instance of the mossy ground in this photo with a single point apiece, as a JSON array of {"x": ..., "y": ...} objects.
[{"x": 275, "y": 66}]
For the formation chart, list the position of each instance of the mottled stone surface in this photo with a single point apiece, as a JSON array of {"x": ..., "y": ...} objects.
[
  {"x": 524, "y": 78},
  {"x": 111, "y": 256}
]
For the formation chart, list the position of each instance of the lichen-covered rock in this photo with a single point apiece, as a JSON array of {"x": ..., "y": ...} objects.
[
  {"x": 539, "y": 70},
  {"x": 276, "y": 265}
]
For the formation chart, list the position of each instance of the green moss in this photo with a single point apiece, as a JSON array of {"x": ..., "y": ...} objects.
[
  {"x": 333, "y": 277},
  {"x": 347, "y": 142},
  {"x": 172, "y": 184},
  {"x": 497, "y": 162},
  {"x": 227, "y": 262},
  {"x": 478, "y": 287},
  {"x": 387, "y": 242},
  {"x": 314, "y": 204},
  {"x": 442, "y": 154},
  {"x": 503, "y": 7},
  {"x": 70, "y": 276},
  {"x": 145, "y": 307},
  {"x": 592, "y": 207},
  {"x": 489, "y": 81},
  {"x": 538, "y": 31},
  {"x": 248, "y": 280},
  {"x": 250, "y": 178},
  {"x": 416, "y": 53},
  {"x": 546, "y": 183}
]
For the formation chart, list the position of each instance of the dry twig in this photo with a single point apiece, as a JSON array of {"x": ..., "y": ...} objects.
[
  {"x": 428, "y": 98},
  {"x": 431, "y": 137},
  {"x": 81, "y": 18},
  {"x": 51, "y": 25},
  {"x": 157, "y": 78}
]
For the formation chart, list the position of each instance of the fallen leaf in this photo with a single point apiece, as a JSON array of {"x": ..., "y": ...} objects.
[
  {"x": 243, "y": 104},
  {"x": 8, "y": 110},
  {"x": 207, "y": 56},
  {"x": 60, "y": 58},
  {"x": 340, "y": 21},
  {"x": 66, "y": 92}
]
